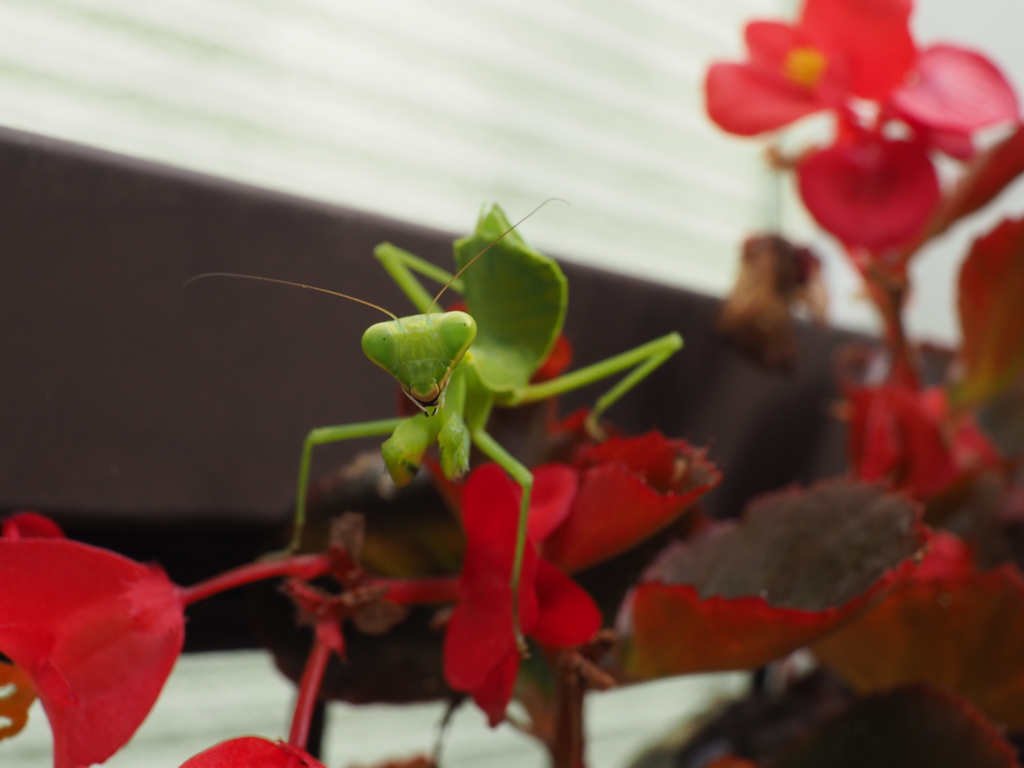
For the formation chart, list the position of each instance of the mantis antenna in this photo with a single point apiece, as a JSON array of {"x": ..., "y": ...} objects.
[
  {"x": 296, "y": 285},
  {"x": 489, "y": 246}
]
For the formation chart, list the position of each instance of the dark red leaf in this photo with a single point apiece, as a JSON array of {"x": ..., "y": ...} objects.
[
  {"x": 630, "y": 488},
  {"x": 991, "y": 287},
  {"x": 743, "y": 593},
  {"x": 956, "y": 90},
  {"x": 908, "y": 727},
  {"x": 98, "y": 634},
  {"x": 253, "y": 752},
  {"x": 873, "y": 193},
  {"x": 950, "y": 626}
]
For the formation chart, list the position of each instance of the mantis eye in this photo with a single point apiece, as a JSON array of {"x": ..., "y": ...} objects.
[
  {"x": 456, "y": 331},
  {"x": 380, "y": 345}
]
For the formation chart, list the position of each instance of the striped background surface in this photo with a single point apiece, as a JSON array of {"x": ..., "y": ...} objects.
[{"x": 419, "y": 110}]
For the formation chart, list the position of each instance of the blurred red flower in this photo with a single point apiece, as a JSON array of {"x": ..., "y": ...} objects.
[
  {"x": 875, "y": 187},
  {"x": 97, "y": 633},
  {"x": 480, "y": 653},
  {"x": 910, "y": 438},
  {"x": 253, "y": 752}
]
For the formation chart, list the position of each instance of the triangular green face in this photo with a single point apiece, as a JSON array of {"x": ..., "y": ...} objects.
[{"x": 518, "y": 298}]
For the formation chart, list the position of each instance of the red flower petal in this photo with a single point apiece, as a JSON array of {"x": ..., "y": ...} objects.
[
  {"x": 253, "y": 752},
  {"x": 872, "y": 34},
  {"x": 24, "y": 525},
  {"x": 629, "y": 490},
  {"x": 480, "y": 634},
  {"x": 956, "y": 90},
  {"x": 554, "y": 490},
  {"x": 873, "y": 193},
  {"x": 494, "y": 694},
  {"x": 748, "y": 100},
  {"x": 98, "y": 634},
  {"x": 559, "y": 358},
  {"x": 567, "y": 614}
]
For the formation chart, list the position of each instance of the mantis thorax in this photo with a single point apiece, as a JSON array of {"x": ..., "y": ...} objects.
[{"x": 420, "y": 351}]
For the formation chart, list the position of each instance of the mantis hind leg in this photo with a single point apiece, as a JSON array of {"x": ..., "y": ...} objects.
[
  {"x": 524, "y": 477},
  {"x": 646, "y": 358},
  {"x": 322, "y": 436}
]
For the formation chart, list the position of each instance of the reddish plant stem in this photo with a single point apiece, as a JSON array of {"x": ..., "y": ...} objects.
[
  {"x": 409, "y": 591},
  {"x": 888, "y": 288},
  {"x": 309, "y": 687},
  {"x": 300, "y": 566},
  {"x": 568, "y": 749}
]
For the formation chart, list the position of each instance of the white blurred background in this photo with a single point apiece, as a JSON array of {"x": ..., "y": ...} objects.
[{"x": 422, "y": 110}]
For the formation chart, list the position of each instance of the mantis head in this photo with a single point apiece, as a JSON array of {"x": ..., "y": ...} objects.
[{"x": 420, "y": 352}]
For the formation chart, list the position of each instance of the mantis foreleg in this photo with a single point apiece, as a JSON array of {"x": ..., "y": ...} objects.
[
  {"x": 322, "y": 436},
  {"x": 524, "y": 477},
  {"x": 401, "y": 264},
  {"x": 646, "y": 358}
]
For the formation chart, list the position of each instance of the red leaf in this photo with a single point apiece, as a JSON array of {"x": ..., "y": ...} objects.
[
  {"x": 24, "y": 525},
  {"x": 253, "y": 752},
  {"x": 991, "y": 286},
  {"x": 741, "y": 594},
  {"x": 872, "y": 193},
  {"x": 98, "y": 634},
  {"x": 630, "y": 488},
  {"x": 873, "y": 35},
  {"x": 950, "y": 626},
  {"x": 956, "y": 90}
]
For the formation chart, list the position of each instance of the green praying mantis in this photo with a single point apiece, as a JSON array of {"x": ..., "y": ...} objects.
[{"x": 457, "y": 366}]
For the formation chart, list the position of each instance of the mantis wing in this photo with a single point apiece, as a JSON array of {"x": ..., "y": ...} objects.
[{"x": 518, "y": 298}]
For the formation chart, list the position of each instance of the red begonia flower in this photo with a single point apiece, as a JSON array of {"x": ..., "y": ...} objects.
[
  {"x": 956, "y": 91},
  {"x": 838, "y": 49},
  {"x": 629, "y": 489},
  {"x": 906, "y": 436},
  {"x": 872, "y": 35},
  {"x": 253, "y": 752},
  {"x": 480, "y": 654},
  {"x": 97, "y": 633},
  {"x": 871, "y": 192}
]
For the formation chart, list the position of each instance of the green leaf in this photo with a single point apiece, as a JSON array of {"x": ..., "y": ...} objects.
[{"x": 518, "y": 298}]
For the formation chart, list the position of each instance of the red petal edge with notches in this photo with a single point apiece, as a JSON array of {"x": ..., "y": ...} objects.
[
  {"x": 97, "y": 633},
  {"x": 872, "y": 193},
  {"x": 630, "y": 488},
  {"x": 253, "y": 752},
  {"x": 956, "y": 90}
]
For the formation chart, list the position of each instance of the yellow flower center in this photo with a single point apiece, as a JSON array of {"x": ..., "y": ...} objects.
[{"x": 804, "y": 66}]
